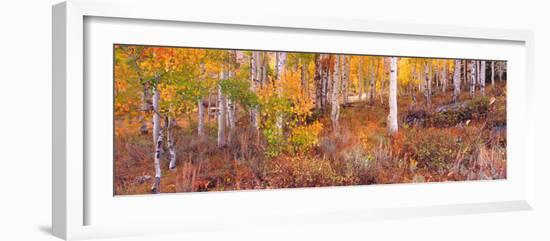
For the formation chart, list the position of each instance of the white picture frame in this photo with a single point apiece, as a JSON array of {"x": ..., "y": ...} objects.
[{"x": 72, "y": 192}]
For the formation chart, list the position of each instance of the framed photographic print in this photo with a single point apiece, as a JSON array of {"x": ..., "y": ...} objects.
[{"x": 280, "y": 118}]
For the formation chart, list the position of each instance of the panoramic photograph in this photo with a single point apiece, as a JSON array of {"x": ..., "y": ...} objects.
[{"x": 192, "y": 119}]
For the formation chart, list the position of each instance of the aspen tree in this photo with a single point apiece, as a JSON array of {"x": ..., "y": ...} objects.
[
  {"x": 444, "y": 75},
  {"x": 324, "y": 80},
  {"x": 472, "y": 78},
  {"x": 482, "y": 78},
  {"x": 170, "y": 122},
  {"x": 428, "y": 84},
  {"x": 456, "y": 81},
  {"x": 222, "y": 104},
  {"x": 200, "y": 106},
  {"x": 157, "y": 139},
  {"x": 255, "y": 74},
  {"x": 360, "y": 78},
  {"x": 392, "y": 100},
  {"x": 280, "y": 63},
  {"x": 345, "y": 77},
  {"x": 335, "y": 105}
]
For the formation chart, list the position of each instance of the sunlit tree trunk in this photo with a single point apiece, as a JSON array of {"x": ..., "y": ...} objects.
[
  {"x": 392, "y": 100},
  {"x": 170, "y": 122},
  {"x": 345, "y": 77},
  {"x": 465, "y": 73},
  {"x": 500, "y": 70},
  {"x": 231, "y": 119},
  {"x": 444, "y": 76},
  {"x": 157, "y": 139},
  {"x": 281, "y": 59},
  {"x": 472, "y": 78},
  {"x": 329, "y": 80},
  {"x": 456, "y": 81},
  {"x": 478, "y": 71},
  {"x": 200, "y": 106},
  {"x": 360, "y": 78},
  {"x": 324, "y": 81},
  {"x": 222, "y": 104},
  {"x": 209, "y": 104},
  {"x": 335, "y": 105},
  {"x": 255, "y": 74},
  {"x": 256, "y": 69},
  {"x": 422, "y": 79},
  {"x": 482, "y": 78},
  {"x": 200, "y": 125},
  {"x": 231, "y": 106},
  {"x": 428, "y": 83}
]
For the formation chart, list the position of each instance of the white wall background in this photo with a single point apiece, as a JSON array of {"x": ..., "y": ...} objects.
[{"x": 25, "y": 119}]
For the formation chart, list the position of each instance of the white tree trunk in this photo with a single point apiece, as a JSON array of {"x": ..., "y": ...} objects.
[
  {"x": 281, "y": 58},
  {"x": 456, "y": 81},
  {"x": 200, "y": 114},
  {"x": 482, "y": 78},
  {"x": 221, "y": 112},
  {"x": 156, "y": 114},
  {"x": 428, "y": 82},
  {"x": 157, "y": 139},
  {"x": 322, "y": 83},
  {"x": 255, "y": 75},
  {"x": 335, "y": 105},
  {"x": 231, "y": 106},
  {"x": 472, "y": 79},
  {"x": 464, "y": 72},
  {"x": 209, "y": 110},
  {"x": 500, "y": 70},
  {"x": 170, "y": 123},
  {"x": 200, "y": 106},
  {"x": 478, "y": 71},
  {"x": 328, "y": 81},
  {"x": 392, "y": 100},
  {"x": 444, "y": 76},
  {"x": 345, "y": 77},
  {"x": 231, "y": 110},
  {"x": 421, "y": 83},
  {"x": 360, "y": 78},
  {"x": 231, "y": 119}
]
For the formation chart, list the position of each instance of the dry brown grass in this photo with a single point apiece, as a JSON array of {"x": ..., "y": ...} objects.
[{"x": 359, "y": 153}]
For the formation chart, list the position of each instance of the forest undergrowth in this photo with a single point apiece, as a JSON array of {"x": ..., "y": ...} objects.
[{"x": 436, "y": 143}]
